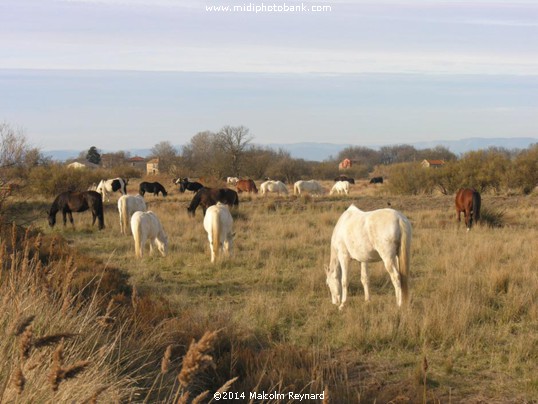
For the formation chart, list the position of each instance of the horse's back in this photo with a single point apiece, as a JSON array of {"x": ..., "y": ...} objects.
[{"x": 370, "y": 236}]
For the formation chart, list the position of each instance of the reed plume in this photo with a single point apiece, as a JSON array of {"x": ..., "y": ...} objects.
[
  {"x": 165, "y": 363},
  {"x": 26, "y": 341},
  {"x": 197, "y": 359},
  {"x": 21, "y": 325},
  {"x": 18, "y": 380}
]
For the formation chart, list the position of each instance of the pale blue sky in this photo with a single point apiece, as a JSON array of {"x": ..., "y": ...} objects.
[{"x": 123, "y": 74}]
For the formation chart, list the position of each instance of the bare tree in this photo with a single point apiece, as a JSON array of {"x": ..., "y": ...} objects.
[
  {"x": 166, "y": 153},
  {"x": 234, "y": 141},
  {"x": 13, "y": 146}
]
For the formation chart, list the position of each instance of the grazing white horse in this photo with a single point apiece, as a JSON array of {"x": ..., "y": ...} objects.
[
  {"x": 312, "y": 187},
  {"x": 340, "y": 187},
  {"x": 232, "y": 180},
  {"x": 379, "y": 235},
  {"x": 127, "y": 205},
  {"x": 218, "y": 223},
  {"x": 107, "y": 187},
  {"x": 146, "y": 225},
  {"x": 273, "y": 186}
]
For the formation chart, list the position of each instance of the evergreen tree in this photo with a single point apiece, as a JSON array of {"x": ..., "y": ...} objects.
[{"x": 93, "y": 155}]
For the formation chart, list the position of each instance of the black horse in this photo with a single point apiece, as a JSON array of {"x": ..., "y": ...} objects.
[
  {"x": 376, "y": 180},
  {"x": 186, "y": 185},
  {"x": 344, "y": 178},
  {"x": 152, "y": 187},
  {"x": 207, "y": 197},
  {"x": 69, "y": 202}
]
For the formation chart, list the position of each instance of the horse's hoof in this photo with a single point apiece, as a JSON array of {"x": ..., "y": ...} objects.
[{"x": 341, "y": 307}]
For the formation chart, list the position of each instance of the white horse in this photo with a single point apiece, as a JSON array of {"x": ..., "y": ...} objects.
[
  {"x": 107, "y": 187},
  {"x": 312, "y": 187},
  {"x": 232, "y": 180},
  {"x": 144, "y": 226},
  {"x": 340, "y": 187},
  {"x": 218, "y": 223},
  {"x": 273, "y": 186},
  {"x": 127, "y": 205},
  {"x": 379, "y": 235}
]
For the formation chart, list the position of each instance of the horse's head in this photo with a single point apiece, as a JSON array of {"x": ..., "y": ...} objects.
[
  {"x": 52, "y": 219},
  {"x": 334, "y": 284},
  {"x": 162, "y": 243}
]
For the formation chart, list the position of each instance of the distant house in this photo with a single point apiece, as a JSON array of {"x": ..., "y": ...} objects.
[
  {"x": 82, "y": 165},
  {"x": 432, "y": 163},
  {"x": 137, "y": 162},
  {"x": 152, "y": 167}
]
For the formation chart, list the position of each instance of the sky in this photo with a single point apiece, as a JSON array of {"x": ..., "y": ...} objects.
[{"x": 123, "y": 74}]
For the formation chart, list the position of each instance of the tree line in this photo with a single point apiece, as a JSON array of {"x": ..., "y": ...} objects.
[{"x": 230, "y": 152}]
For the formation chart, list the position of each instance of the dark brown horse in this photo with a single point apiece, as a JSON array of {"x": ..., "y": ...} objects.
[
  {"x": 246, "y": 186},
  {"x": 151, "y": 187},
  {"x": 207, "y": 197},
  {"x": 68, "y": 202},
  {"x": 468, "y": 201}
]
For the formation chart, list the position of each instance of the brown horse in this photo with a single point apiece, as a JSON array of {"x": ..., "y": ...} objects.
[
  {"x": 246, "y": 186},
  {"x": 207, "y": 197},
  {"x": 69, "y": 202},
  {"x": 468, "y": 201}
]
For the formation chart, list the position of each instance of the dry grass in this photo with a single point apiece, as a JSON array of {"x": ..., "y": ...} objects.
[{"x": 473, "y": 312}]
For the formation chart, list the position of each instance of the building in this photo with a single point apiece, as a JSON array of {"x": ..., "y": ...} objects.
[
  {"x": 82, "y": 164},
  {"x": 432, "y": 163},
  {"x": 137, "y": 162},
  {"x": 152, "y": 167}
]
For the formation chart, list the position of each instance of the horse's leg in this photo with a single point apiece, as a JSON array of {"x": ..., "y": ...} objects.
[
  {"x": 151, "y": 245},
  {"x": 64, "y": 215},
  {"x": 468, "y": 218},
  {"x": 212, "y": 247},
  {"x": 365, "y": 279},
  {"x": 94, "y": 216},
  {"x": 344, "y": 260},
  {"x": 142, "y": 244},
  {"x": 391, "y": 265}
]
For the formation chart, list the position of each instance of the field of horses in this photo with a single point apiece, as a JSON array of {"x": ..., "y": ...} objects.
[{"x": 470, "y": 333}]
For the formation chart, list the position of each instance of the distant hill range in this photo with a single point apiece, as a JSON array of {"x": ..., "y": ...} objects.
[{"x": 323, "y": 151}]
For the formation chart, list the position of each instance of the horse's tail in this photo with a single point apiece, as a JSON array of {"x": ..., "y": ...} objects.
[
  {"x": 476, "y": 205},
  {"x": 296, "y": 190},
  {"x": 136, "y": 236},
  {"x": 404, "y": 258},
  {"x": 215, "y": 228},
  {"x": 124, "y": 216}
]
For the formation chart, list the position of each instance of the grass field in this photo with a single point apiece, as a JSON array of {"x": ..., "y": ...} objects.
[{"x": 470, "y": 333}]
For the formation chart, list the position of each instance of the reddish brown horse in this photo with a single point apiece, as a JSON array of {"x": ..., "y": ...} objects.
[
  {"x": 246, "y": 186},
  {"x": 468, "y": 201}
]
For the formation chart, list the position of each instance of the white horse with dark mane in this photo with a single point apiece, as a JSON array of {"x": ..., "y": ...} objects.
[
  {"x": 106, "y": 187},
  {"x": 127, "y": 205},
  {"x": 340, "y": 187},
  {"x": 218, "y": 223},
  {"x": 273, "y": 186},
  {"x": 379, "y": 235},
  {"x": 146, "y": 226},
  {"x": 312, "y": 187}
]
